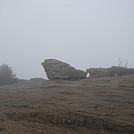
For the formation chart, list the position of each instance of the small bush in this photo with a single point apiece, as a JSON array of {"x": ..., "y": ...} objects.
[{"x": 6, "y": 75}]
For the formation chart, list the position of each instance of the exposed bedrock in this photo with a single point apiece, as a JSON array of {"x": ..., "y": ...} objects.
[{"x": 108, "y": 72}]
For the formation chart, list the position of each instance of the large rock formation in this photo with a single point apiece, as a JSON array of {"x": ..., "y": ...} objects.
[
  {"x": 108, "y": 72},
  {"x": 56, "y": 69}
]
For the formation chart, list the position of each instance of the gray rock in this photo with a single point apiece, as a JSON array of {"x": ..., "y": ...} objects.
[
  {"x": 56, "y": 69},
  {"x": 108, "y": 72},
  {"x": 98, "y": 72}
]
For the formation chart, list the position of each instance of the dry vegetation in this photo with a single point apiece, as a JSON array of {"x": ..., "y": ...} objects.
[{"x": 89, "y": 106}]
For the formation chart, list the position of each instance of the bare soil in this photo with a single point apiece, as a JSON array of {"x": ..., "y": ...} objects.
[{"x": 88, "y": 106}]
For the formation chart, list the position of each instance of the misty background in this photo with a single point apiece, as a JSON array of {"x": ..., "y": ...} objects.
[{"x": 83, "y": 33}]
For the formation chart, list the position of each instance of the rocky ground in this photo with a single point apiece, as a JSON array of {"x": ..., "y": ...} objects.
[{"x": 89, "y": 106}]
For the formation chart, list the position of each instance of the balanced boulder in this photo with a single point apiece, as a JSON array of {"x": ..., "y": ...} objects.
[{"x": 56, "y": 69}]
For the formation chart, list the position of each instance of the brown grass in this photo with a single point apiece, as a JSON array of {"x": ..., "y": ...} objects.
[{"x": 90, "y": 106}]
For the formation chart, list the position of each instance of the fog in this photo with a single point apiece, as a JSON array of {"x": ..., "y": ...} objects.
[{"x": 83, "y": 33}]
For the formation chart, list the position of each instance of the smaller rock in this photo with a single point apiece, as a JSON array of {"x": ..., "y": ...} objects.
[{"x": 108, "y": 72}]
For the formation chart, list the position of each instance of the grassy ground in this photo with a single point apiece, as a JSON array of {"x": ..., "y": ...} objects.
[{"x": 89, "y": 106}]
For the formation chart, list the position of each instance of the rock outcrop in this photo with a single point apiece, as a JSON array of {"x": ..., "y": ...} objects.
[
  {"x": 56, "y": 69},
  {"x": 108, "y": 72}
]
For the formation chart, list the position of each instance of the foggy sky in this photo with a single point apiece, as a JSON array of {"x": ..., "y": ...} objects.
[{"x": 83, "y": 33}]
